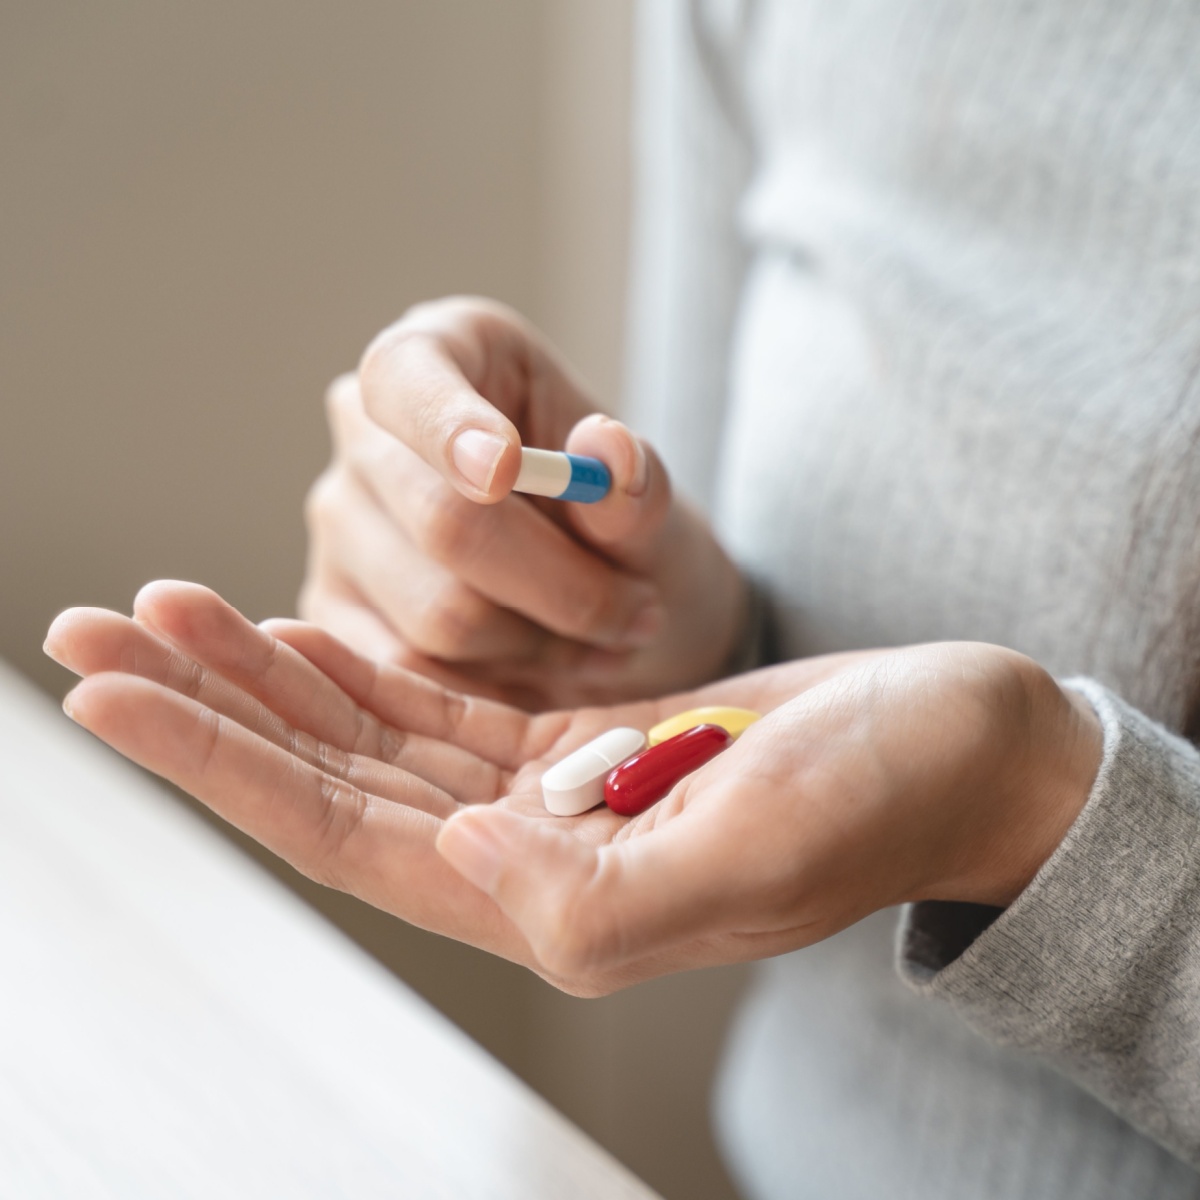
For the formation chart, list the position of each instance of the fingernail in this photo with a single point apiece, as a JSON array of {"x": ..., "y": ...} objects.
[
  {"x": 641, "y": 470},
  {"x": 66, "y": 706},
  {"x": 646, "y": 625},
  {"x": 473, "y": 850},
  {"x": 476, "y": 455}
]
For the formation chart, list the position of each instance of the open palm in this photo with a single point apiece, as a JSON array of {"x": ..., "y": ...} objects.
[
  {"x": 946, "y": 771},
  {"x": 350, "y": 769}
]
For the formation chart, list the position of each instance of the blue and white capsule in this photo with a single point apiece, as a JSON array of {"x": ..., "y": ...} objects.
[{"x": 562, "y": 476}]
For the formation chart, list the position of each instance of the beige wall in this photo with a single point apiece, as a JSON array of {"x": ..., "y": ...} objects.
[{"x": 205, "y": 211}]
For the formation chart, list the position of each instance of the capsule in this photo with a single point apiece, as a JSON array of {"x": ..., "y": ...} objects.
[
  {"x": 562, "y": 476},
  {"x": 647, "y": 777},
  {"x": 735, "y": 720},
  {"x": 576, "y": 783}
]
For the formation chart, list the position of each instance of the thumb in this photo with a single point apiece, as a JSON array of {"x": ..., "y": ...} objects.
[
  {"x": 627, "y": 523},
  {"x": 586, "y": 909}
]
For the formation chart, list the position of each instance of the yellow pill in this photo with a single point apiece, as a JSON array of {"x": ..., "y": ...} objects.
[{"x": 734, "y": 720}]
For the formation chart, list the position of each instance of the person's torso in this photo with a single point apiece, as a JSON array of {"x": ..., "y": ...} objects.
[
  {"x": 965, "y": 403},
  {"x": 966, "y": 387}
]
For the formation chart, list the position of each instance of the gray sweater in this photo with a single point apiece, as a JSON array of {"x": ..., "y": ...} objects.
[{"x": 917, "y": 314}]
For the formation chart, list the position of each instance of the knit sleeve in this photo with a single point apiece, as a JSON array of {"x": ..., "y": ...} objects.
[
  {"x": 692, "y": 162},
  {"x": 1095, "y": 967}
]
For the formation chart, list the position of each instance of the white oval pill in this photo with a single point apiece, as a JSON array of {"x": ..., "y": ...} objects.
[{"x": 576, "y": 784}]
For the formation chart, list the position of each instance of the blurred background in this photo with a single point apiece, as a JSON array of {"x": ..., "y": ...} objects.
[{"x": 205, "y": 213}]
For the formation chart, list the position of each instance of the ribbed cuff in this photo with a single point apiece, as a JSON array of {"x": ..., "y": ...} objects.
[{"x": 1096, "y": 959}]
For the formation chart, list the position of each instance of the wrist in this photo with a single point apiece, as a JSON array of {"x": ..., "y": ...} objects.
[
  {"x": 1044, "y": 744},
  {"x": 1065, "y": 745}
]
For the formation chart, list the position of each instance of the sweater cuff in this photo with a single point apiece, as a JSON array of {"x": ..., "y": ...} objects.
[
  {"x": 1125, "y": 864},
  {"x": 1093, "y": 951}
]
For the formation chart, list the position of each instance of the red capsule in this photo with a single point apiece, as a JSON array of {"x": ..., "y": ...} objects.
[{"x": 647, "y": 777}]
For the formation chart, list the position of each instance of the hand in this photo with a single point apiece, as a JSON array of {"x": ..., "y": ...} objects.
[
  {"x": 420, "y": 556},
  {"x": 944, "y": 772}
]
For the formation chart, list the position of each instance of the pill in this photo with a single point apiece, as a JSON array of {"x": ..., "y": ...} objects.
[
  {"x": 576, "y": 783},
  {"x": 647, "y": 777},
  {"x": 735, "y": 721},
  {"x": 562, "y": 476}
]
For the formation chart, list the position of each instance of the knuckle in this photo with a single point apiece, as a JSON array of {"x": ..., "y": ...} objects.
[
  {"x": 448, "y": 620},
  {"x": 342, "y": 809},
  {"x": 456, "y": 313},
  {"x": 384, "y": 355},
  {"x": 408, "y": 655},
  {"x": 209, "y": 726},
  {"x": 343, "y": 412},
  {"x": 322, "y": 501},
  {"x": 378, "y": 353},
  {"x": 430, "y": 314},
  {"x": 390, "y": 744},
  {"x": 456, "y": 708},
  {"x": 341, "y": 396},
  {"x": 448, "y": 528},
  {"x": 184, "y": 675},
  {"x": 594, "y": 611},
  {"x": 307, "y": 605}
]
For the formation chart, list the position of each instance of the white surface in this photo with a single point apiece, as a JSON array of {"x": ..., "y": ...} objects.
[
  {"x": 175, "y": 1023},
  {"x": 543, "y": 473},
  {"x": 576, "y": 783}
]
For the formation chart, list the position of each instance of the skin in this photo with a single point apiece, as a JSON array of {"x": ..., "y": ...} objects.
[
  {"x": 948, "y": 771},
  {"x": 482, "y": 636},
  {"x": 548, "y": 605}
]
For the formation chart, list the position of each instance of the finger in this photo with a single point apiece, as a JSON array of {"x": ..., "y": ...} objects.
[
  {"x": 496, "y": 732},
  {"x": 629, "y": 522},
  {"x": 449, "y": 380},
  {"x": 203, "y": 626},
  {"x": 588, "y": 910},
  {"x": 519, "y": 559},
  {"x": 93, "y": 641},
  {"x": 330, "y": 600},
  {"x": 425, "y": 602},
  {"x": 336, "y": 607},
  {"x": 90, "y": 641},
  {"x": 210, "y": 630},
  {"x": 414, "y": 388},
  {"x": 513, "y": 555},
  {"x": 330, "y": 830},
  {"x": 481, "y": 681}
]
